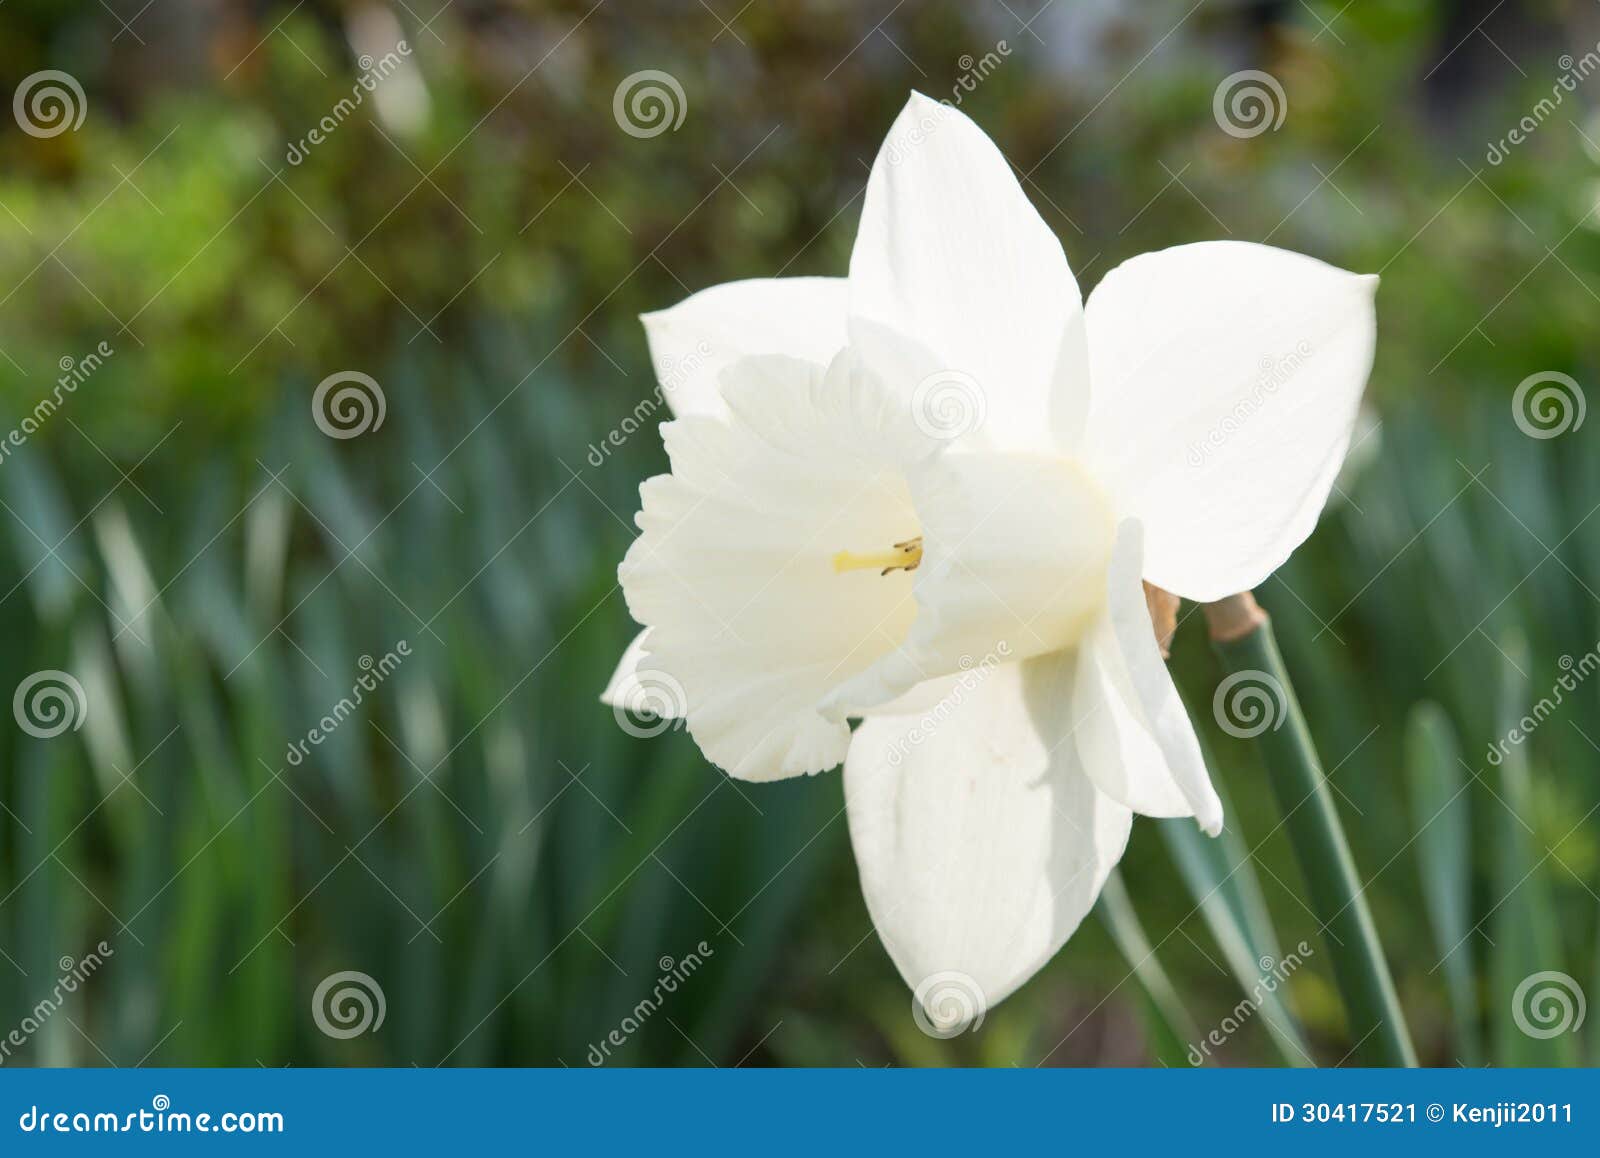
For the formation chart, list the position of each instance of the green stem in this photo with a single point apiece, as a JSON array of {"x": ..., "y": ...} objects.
[{"x": 1337, "y": 898}]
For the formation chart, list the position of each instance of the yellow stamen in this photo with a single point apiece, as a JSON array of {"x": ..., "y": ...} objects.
[{"x": 904, "y": 556}]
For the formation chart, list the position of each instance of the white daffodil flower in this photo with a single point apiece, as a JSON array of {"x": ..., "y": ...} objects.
[{"x": 925, "y": 496}]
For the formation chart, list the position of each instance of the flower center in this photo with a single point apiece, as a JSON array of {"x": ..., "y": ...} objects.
[{"x": 906, "y": 556}]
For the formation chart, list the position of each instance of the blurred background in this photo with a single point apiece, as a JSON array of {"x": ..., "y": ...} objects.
[{"x": 210, "y": 209}]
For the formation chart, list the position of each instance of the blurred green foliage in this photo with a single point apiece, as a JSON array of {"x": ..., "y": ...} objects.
[{"x": 481, "y": 838}]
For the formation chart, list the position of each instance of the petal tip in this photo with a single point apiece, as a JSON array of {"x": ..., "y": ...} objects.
[
  {"x": 926, "y": 108},
  {"x": 650, "y": 317}
]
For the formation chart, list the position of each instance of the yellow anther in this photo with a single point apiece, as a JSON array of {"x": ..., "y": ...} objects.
[{"x": 904, "y": 556}]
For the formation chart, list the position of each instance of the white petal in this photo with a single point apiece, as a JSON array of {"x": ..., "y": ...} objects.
[
  {"x": 1015, "y": 548},
  {"x": 733, "y": 572},
  {"x": 1226, "y": 381},
  {"x": 692, "y": 343},
  {"x": 1131, "y": 728},
  {"x": 951, "y": 253},
  {"x": 980, "y": 841},
  {"x": 624, "y": 687}
]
